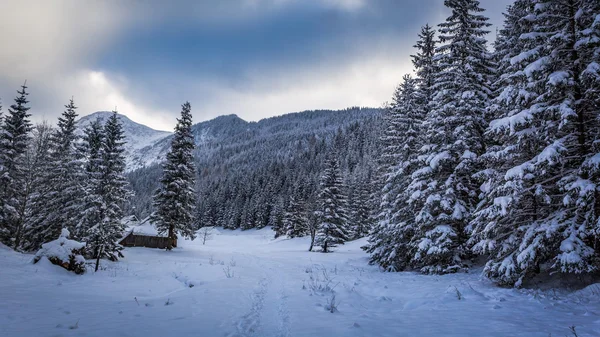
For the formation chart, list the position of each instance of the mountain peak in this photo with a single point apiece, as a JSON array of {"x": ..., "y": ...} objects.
[
  {"x": 137, "y": 137},
  {"x": 104, "y": 115}
]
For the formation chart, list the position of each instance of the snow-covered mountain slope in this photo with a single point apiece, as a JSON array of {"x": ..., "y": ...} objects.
[
  {"x": 146, "y": 146},
  {"x": 141, "y": 149},
  {"x": 244, "y": 283}
]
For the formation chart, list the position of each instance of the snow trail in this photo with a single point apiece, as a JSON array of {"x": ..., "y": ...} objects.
[{"x": 154, "y": 293}]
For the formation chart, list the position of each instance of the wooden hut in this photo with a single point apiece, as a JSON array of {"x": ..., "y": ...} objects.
[{"x": 133, "y": 239}]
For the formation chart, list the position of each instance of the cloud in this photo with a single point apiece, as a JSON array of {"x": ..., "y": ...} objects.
[
  {"x": 256, "y": 58},
  {"x": 96, "y": 92}
]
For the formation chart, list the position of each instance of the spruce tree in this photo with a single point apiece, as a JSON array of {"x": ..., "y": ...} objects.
[
  {"x": 106, "y": 190},
  {"x": 13, "y": 146},
  {"x": 541, "y": 210},
  {"x": 389, "y": 244},
  {"x": 511, "y": 143},
  {"x": 114, "y": 185},
  {"x": 59, "y": 206},
  {"x": 38, "y": 188},
  {"x": 444, "y": 187},
  {"x": 91, "y": 208},
  {"x": 175, "y": 200},
  {"x": 333, "y": 227},
  {"x": 361, "y": 206},
  {"x": 294, "y": 219},
  {"x": 425, "y": 66}
]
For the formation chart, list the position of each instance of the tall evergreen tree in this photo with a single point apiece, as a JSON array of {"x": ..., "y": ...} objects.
[
  {"x": 91, "y": 209},
  {"x": 425, "y": 66},
  {"x": 332, "y": 212},
  {"x": 175, "y": 200},
  {"x": 455, "y": 123},
  {"x": 59, "y": 205},
  {"x": 13, "y": 146},
  {"x": 361, "y": 214},
  {"x": 106, "y": 189},
  {"x": 294, "y": 218},
  {"x": 389, "y": 244},
  {"x": 542, "y": 208},
  {"x": 511, "y": 142},
  {"x": 38, "y": 166},
  {"x": 390, "y": 241}
]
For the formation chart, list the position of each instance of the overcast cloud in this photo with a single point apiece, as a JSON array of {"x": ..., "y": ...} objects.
[{"x": 254, "y": 58}]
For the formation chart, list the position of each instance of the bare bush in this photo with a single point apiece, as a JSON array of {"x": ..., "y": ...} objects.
[
  {"x": 205, "y": 234},
  {"x": 228, "y": 272},
  {"x": 332, "y": 304}
]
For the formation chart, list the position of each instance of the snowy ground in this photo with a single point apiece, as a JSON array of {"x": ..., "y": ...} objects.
[{"x": 246, "y": 284}]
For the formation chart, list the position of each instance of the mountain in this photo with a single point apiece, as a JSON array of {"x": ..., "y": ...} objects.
[
  {"x": 248, "y": 170},
  {"x": 144, "y": 145}
]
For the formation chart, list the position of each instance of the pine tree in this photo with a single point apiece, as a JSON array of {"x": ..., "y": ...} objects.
[
  {"x": 541, "y": 207},
  {"x": 511, "y": 143},
  {"x": 114, "y": 186},
  {"x": 425, "y": 66},
  {"x": 444, "y": 184},
  {"x": 389, "y": 242},
  {"x": 13, "y": 147},
  {"x": 58, "y": 206},
  {"x": 332, "y": 211},
  {"x": 362, "y": 219},
  {"x": 175, "y": 200},
  {"x": 106, "y": 190},
  {"x": 38, "y": 164},
  {"x": 91, "y": 209},
  {"x": 294, "y": 219}
]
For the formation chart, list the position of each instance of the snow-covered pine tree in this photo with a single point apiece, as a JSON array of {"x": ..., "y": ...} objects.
[
  {"x": 295, "y": 218},
  {"x": 509, "y": 194},
  {"x": 37, "y": 166},
  {"x": 114, "y": 186},
  {"x": 332, "y": 210},
  {"x": 105, "y": 190},
  {"x": 276, "y": 218},
  {"x": 454, "y": 140},
  {"x": 425, "y": 66},
  {"x": 91, "y": 208},
  {"x": 390, "y": 239},
  {"x": 175, "y": 200},
  {"x": 389, "y": 244},
  {"x": 60, "y": 204},
  {"x": 543, "y": 210},
  {"x": 361, "y": 209},
  {"x": 13, "y": 146}
]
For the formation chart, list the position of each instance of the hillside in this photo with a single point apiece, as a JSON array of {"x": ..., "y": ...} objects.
[
  {"x": 248, "y": 170},
  {"x": 143, "y": 147}
]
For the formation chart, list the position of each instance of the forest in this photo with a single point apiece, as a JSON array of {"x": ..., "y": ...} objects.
[{"x": 487, "y": 151}]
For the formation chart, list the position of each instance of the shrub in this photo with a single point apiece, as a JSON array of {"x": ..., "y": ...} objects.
[{"x": 63, "y": 252}]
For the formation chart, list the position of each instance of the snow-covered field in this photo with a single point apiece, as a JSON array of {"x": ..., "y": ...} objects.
[{"x": 247, "y": 284}]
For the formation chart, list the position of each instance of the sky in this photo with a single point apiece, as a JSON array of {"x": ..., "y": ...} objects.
[{"x": 253, "y": 58}]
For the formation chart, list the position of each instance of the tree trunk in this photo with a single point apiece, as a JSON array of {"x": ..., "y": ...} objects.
[
  {"x": 98, "y": 254},
  {"x": 170, "y": 235}
]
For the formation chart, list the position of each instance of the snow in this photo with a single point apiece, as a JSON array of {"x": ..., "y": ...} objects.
[
  {"x": 434, "y": 162},
  {"x": 558, "y": 78},
  {"x": 144, "y": 146},
  {"x": 511, "y": 122},
  {"x": 274, "y": 288},
  {"x": 61, "y": 248},
  {"x": 143, "y": 228}
]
